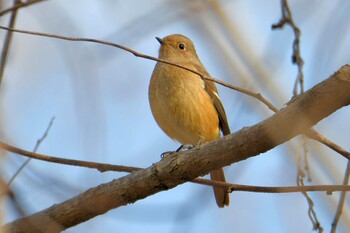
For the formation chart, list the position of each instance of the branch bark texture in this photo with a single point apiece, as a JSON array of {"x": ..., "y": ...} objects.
[{"x": 296, "y": 118}]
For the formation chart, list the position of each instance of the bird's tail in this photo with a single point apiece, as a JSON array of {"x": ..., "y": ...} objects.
[{"x": 221, "y": 195}]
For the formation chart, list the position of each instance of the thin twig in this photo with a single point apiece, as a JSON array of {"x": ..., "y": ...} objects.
[
  {"x": 313, "y": 134},
  {"x": 304, "y": 146},
  {"x": 14, "y": 200},
  {"x": 311, "y": 212},
  {"x": 287, "y": 18},
  {"x": 341, "y": 200},
  {"x": 6, "y": 190},
  {"x": 7, "y": 43},
  {"x": 99, "y": 166},
  {"x": 137, "y": 54},
  {"x": 19, "y": 5},
  {"x": 296, "y": 57},
  {"x": 266, "y": 189},
  {"x": 39, "y": 141}
]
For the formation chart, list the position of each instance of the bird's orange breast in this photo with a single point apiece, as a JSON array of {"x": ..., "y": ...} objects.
[{"x": 181, "y": 106}]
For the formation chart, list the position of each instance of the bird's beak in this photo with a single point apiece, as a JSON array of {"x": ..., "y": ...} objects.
[{"x": 159, "y": 40}]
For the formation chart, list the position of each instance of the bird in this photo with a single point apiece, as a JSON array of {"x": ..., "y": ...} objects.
[{"x": 185, "y": 106}]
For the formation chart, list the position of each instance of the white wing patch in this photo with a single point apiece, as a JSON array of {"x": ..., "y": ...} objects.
[
  {"x": 216, "y": 94},
  {"x": 203, "y": 83}
]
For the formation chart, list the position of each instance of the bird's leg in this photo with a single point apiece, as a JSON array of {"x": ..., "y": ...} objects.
[
  {"x": 181, "y": 148},
  {"x": 166, "y": 153},
  {"x": 185, "y": 147}
]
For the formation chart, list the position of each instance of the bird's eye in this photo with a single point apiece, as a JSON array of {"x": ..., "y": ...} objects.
[{"x": 182, "y": 46}]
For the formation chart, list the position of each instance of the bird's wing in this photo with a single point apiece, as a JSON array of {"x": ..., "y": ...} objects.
[{"x": 212, "y": 91}]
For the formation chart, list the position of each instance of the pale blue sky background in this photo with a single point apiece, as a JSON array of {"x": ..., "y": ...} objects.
[{"x": 98, "y": 95}]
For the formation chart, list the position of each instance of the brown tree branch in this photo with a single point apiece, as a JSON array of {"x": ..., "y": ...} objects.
[{"x": 301, "y": 114}]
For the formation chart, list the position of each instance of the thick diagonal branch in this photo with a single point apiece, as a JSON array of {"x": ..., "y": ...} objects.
[{"x": 296, "y": 118}]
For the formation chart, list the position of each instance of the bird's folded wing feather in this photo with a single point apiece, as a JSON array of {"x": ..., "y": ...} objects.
[{"x": 212, "y": 91}]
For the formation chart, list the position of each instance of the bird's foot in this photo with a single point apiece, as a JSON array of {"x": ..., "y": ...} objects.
[
  {"x": 181, "y": 148},
  {"x": 185, "y": 147}
]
